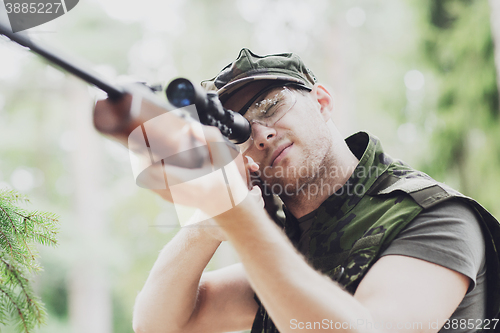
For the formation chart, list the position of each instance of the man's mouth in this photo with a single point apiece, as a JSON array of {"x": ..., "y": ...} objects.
[{"x": 280, "y": 153}]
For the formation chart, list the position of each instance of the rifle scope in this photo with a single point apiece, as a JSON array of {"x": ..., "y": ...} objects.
[{"x": 182, "y": 92}]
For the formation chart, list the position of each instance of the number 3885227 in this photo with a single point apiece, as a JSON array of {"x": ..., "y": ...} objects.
[
  {"x": 33, "y": 8},
  {"x": 485, "y": 324}
]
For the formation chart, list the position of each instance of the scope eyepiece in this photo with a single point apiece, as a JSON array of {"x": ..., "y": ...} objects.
[{"x": 182, "y": 92}]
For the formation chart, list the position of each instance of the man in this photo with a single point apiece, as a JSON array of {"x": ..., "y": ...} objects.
[{"x": 368, "y": 244}]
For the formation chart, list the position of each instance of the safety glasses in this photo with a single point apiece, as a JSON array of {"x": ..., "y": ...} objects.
[{"x": 269, "y": 111}]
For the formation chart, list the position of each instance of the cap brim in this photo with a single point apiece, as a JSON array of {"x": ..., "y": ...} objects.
[{"x": 237, "y": 84}]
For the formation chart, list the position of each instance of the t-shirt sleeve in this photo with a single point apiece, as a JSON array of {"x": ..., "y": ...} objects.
[{"x": 448, "y": 234}]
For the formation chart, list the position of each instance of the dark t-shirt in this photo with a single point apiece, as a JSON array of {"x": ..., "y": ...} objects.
[{"x": 450, "y": 235}]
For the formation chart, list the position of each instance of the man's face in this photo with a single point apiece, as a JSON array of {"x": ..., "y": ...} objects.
[{"x": 290, "y": 151}]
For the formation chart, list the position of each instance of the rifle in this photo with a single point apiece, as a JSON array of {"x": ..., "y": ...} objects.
[{"x": 156, "y": 130}]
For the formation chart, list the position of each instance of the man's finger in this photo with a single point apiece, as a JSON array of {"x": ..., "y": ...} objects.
[{"x": 256, "y": 192}]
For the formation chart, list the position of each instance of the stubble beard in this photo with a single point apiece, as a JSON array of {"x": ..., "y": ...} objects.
[{"x": 290, "y": 182}]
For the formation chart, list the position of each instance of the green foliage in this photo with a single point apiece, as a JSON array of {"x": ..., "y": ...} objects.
[
  {"x": 459, "y": 48},
  {"x": 20, "y": 230}
]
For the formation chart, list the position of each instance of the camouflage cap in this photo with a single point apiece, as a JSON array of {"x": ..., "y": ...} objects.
[{"x": 249, "y": 67}]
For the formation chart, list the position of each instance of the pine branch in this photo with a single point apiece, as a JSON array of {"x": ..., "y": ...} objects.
[
  {"x": 12, "y": 301},
  {"x": 12, "y": 196},
  {"x": 20, "y": 230},
  {"x": 16, "y": 231}
]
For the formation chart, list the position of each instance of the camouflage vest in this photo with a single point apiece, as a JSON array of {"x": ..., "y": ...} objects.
[{"x": 356, "y": 224}]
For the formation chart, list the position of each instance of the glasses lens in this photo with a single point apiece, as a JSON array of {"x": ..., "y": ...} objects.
[{"x": 268, "y": 111}]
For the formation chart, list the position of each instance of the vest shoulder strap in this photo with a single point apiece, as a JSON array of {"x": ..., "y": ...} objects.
[{"x": 426, "y": 191}]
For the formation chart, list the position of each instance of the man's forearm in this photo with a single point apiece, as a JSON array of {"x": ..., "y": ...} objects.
[
  {"x": 168, "y": 298},
  {"x": 287, "y": 286}
]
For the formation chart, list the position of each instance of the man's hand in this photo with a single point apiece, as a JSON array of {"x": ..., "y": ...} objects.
[
  {"x": 209, "y": 226},
  {"x": 215, "y": 187}
]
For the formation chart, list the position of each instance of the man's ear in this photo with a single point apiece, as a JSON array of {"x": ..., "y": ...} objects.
[{"x": 325, "y": 100}]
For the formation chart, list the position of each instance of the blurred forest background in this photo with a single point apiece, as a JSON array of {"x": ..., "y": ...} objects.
[{"x": 419, "y": 74}]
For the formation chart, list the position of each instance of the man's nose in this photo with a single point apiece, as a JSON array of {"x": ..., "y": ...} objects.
[{"x": 262, "y": 135}]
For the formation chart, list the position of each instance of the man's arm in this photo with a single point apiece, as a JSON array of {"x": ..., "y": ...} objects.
[
  {"x": 293, "y": 292},
  {"x": 411, "y": 293},
  {"x": 177, "y": 298}
]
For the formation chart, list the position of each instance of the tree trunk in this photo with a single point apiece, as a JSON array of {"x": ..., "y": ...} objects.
[
  {"x": 89, "y": 291},
  {"x": 495, "y": 33}
]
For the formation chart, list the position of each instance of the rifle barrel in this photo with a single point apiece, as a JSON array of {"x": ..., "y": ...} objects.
[{"x": 56, "y": 57}]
